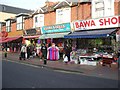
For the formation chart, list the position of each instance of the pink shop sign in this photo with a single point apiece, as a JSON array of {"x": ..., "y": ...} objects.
[{"x": 99, "y": 23}]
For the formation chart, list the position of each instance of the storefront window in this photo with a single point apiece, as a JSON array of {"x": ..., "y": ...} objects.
[{"x": 102, "y": 44}]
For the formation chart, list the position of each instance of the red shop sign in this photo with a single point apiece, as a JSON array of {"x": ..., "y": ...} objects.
[{"x": 106, "y": 22}]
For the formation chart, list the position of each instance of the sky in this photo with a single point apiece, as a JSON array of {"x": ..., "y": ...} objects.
[{"x": 26, "y": 4}]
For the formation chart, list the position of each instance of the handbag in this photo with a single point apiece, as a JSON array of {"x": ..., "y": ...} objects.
[
  {"x": 63, "y": 56},
  {"x": 65, "y": 59},
  {"x": 25, "y": 55}
]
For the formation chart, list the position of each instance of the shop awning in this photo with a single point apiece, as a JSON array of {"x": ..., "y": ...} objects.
[
  {"x": 90, "y": 34},
  {"x": 27, "y": 37},
  {"x": 55, "y": 35},
  {"x": 9, "y": 39},
  {"x": 2, "y": 39}
]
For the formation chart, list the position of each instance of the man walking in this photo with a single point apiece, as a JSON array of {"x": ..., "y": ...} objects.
[
  {"x": 28, "y": 52},
  {"x": 23, "y": 51}
]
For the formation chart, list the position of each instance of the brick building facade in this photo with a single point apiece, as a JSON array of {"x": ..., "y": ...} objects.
[{"x": 79, "y": 11}]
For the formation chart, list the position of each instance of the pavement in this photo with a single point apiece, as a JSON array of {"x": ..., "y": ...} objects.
[{"x": 89, "y": 70}]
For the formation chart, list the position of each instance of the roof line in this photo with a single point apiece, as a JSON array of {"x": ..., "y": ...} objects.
[{"x": 61, "y": 2}]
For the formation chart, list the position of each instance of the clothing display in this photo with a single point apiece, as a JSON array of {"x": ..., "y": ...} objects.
[{"x": 53, "y": 53}]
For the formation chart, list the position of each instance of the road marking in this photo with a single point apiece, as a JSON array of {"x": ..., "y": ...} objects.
[
  {"x": 33, "y": 87},
  {"x": 63, "y": 71}
]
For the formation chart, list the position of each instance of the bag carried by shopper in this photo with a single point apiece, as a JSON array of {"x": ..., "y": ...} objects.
[
  {"x": 63, "y": 56},
  {"x": 65, "y": 59}
]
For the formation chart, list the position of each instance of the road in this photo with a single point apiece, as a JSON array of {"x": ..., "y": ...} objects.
[{"x": 16, "y": 75}]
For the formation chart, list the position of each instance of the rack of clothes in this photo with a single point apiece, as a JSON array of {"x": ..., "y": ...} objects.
[{"x": 53, "y": 53}]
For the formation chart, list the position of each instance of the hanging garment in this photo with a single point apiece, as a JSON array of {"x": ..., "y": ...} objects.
[{"x": 53, "y": 53}]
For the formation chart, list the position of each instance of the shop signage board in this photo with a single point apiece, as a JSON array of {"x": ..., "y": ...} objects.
[
  {"x": 56, "y": 28},
  {"x": 30, "y": 32},
  {"x": 99, "y": 23}
]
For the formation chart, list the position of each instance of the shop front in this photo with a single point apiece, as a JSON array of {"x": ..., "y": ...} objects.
[
  {"x": 31, "y": 39},
  {"x": 11, "y": 41},
  {"x": 95, "y": 37},
  {"x": 55, "y": 34},
  {"x": 30, "y": 36}
]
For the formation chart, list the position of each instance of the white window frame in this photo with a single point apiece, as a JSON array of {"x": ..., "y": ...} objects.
[
  {"x": 107, "y": 8},
  {"x": 38, "y": 20},
  {"x": 20, "y": 23},
  {"x": 63, "y": 15},
  {"x": 8, "y": 26},
  {"x": 99, "y": 9}
]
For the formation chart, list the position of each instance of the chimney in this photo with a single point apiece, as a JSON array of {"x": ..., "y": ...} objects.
[{"x": 49, "y": 3}]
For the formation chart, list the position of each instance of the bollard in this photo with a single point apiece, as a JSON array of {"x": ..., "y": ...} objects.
[
  {"x": 5, "y": 54},
  {"x": 45, "y": 61},
  {"x": 78, "y": 60}
]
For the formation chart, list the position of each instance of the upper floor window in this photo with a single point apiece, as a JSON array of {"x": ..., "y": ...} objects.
[
  {"x": 63, "y": 15},
  {"x": 109, "y": 7},
  {"x": 99, "y": 9},
  {"x": 102, "y": 8},
  {"x": 20, "y": 23},
  {"x": 8, "y": 26},
  {"x": 3, "y": 8},
  {"x": 38, "y": 20}
]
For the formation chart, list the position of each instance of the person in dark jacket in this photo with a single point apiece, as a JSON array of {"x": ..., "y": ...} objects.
[
  {"x": 67, "y": 52},
  {"x": 28, "y": 52},
  {"x": 44, "y": 51}
]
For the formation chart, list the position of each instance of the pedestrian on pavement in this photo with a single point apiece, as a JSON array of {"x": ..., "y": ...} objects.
[
  {"x": 23, "y": 52},
  {"x": 67, "y": 51},
  {"x": 44, "y": 51},
  {"x": 5, "y": 53},
  {"x": 28, "y": 52},
  {"x": 119, "y": 59},
  {"x": 118, "y": 53}
]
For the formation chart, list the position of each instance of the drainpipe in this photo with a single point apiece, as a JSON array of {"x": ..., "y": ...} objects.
[
  {"x": 82, "y": 11},
  {"x": 78, "y": 10}
]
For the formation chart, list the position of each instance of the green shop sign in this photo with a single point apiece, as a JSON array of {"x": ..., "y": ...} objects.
[{"x": 56, "y": 28}]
